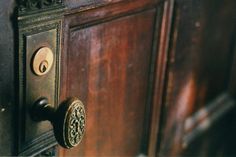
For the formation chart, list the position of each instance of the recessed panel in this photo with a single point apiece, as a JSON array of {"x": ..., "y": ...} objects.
[{"x": 108, "y": 68}]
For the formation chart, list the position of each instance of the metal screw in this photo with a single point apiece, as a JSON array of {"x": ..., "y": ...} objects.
[{"x": 43, "y": 66}]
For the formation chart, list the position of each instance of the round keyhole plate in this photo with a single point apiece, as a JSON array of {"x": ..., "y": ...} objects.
[{"x": 42, "y": 61}]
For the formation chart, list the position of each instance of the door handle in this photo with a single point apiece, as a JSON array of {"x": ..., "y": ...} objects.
[{"x": 68, "y": 119}]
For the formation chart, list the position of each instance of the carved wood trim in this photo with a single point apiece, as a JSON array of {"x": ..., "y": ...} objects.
[{"x": 26, "y": 6}]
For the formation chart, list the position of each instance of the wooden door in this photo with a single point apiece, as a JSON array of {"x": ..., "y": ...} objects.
[
  {"x": 156, "y": 77},
  {"x": 198, "y": 114},
  {"x": 184, "y": 50},
  {"x": 108, "y": 59}
]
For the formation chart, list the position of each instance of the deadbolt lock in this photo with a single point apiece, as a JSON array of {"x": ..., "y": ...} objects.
[{"x": 42, "y": 61}]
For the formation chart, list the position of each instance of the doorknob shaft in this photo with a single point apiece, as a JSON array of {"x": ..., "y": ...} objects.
[{"x": 68, "y": 119}]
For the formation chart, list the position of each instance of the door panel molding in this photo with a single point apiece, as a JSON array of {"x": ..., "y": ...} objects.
[{"x": 162, "y": 47}]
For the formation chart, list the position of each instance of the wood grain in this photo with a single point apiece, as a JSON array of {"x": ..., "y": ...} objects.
[
  {"x": 108, "y": 66},
  {"x": 198, "y": 71}
]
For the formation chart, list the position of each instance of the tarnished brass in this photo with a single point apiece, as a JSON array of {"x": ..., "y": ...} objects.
[
  {"x": 42, "y": 61},
  {"x": 68, "y": 120},
  {"x": 33, "y": 86},
  {"x": 39, "y": 26},
  {"x": 32, "y": 5}
]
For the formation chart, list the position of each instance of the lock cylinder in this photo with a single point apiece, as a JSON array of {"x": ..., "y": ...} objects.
[{"x": 42, "y": 61}]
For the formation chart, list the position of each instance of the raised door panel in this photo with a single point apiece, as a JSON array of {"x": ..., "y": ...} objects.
[{"x": 106, "y": 63}]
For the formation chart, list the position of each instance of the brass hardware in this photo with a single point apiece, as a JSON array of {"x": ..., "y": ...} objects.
[
  {"x": 30, "y": 5},
  {"x": 68, "y": 120},
  {"x": 39, "y": 29},
  {"x": 42, "y": 61}
]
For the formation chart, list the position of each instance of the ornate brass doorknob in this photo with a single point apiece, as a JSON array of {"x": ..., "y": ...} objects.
[{"x": 68, "y": 119}]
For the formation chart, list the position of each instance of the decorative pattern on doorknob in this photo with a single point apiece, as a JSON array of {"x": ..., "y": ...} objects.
[{"x": 76, "y": 124}]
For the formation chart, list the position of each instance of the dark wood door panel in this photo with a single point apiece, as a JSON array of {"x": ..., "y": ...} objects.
[
  {"x": 199, "y": 69},
  {"x": 108, "y": 67}
]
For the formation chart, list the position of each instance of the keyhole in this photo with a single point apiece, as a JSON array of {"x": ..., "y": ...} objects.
[{"x": 43, "y": 66}]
